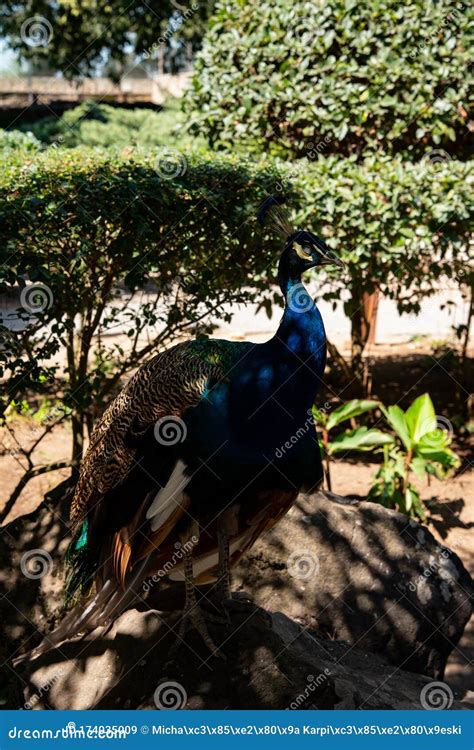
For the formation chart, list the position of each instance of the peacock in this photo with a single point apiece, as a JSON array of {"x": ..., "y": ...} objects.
[{"x": 204, "y": 449}]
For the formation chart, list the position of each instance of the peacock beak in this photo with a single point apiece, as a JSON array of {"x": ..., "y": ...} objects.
[{"x": 331, "y": 259}]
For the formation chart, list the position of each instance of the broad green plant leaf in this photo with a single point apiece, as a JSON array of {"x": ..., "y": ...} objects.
[
  {"x": 349, "y": 410},
  {"x": 361, "y": 439},
  {"x": 397, "y": 421},
  {"x": 420, "y": 418},
  {"x": 418, "y": 466}
]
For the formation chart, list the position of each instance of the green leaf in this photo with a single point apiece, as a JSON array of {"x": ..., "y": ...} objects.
[
  {"x": 361, "y": 439},
  {"x": 349, "y": 410},
  {"x": 396, "y": 419},
  {"x": 446, "y": 458},
  {"x": 420, "y": 417},
  {"x": 437, "y": 440},
  {"x": 320, "y": 416},
  {"x": 418, "y": 465}
]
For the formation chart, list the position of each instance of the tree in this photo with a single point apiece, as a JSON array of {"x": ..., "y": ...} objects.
[
  {"x": 336, "y": 76},
  {"x": 358, "y": 80},
  {"x": 78, "y": 37}
]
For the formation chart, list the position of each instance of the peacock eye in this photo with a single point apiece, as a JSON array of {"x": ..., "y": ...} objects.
[{"x": 302, "y": 251}]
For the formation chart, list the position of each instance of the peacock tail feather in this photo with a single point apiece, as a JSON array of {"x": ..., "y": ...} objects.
[{"x": 79, "y": 566}]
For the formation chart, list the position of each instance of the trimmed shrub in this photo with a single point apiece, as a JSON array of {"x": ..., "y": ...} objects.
[
  {"x": 14, "y": 142},
  {"x": 82, "y": 230},
  {"x": 92, "y": 124},
  {"x": 77, "y": 223},
  {"x": 400, "y": 227},
  {"x": 338, "y": 74}
]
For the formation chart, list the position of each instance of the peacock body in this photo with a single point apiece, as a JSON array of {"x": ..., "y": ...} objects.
[{"x": 210, "y": 441}]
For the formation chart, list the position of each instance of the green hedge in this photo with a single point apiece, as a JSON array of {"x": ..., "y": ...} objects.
[
  {"x": 93, "y": 124},
  {"x": 338, "y": 74},
  {"x": 399, "y": 226},
  {"x": 78, "y": 221}
]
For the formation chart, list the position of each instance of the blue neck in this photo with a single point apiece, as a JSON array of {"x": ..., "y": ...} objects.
[{"x": 301, "y": 330}]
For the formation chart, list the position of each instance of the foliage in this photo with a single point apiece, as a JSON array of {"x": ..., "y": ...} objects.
[
  {"x": 92, "y": 124},
  {"x": 357, "y": 439},
  {"x": 16, "y": 141},
  {"x": 337, "y": 75},
  {"x": 422, "y": 449},
  {"x": 400, "y": 227},
  {"x": 96, "y": 227},
  {"x": 96, "y": 244},
  {"x": 85, "y": 34}
]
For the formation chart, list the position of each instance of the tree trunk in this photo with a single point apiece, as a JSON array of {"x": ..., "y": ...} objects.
[
  {"x": 77, "y": 424},
  {"x": 363, "y": 329}
]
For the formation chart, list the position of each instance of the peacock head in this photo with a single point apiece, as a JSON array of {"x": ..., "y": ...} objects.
[{"x": 303, "y": 250}]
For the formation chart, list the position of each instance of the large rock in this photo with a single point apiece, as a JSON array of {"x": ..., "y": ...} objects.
[
  {"x": 366, "y": 575},
  {"x": 32, "y": 548},
  {"x": 270, "y": 662},
  {"x": 359, "y": 573}
]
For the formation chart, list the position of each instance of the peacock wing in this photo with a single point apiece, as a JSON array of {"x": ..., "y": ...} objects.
[{"x": 166, "y": 386}]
